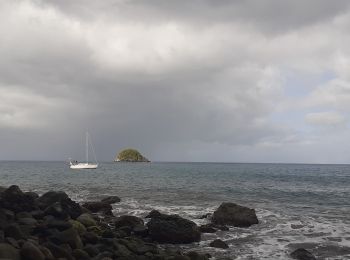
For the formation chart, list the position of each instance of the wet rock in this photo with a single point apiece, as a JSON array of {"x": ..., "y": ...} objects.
[
  {"x": 121, "y": 250},
  {"x": 218, "y": 243},
  {"x": 111, "y": 199},
  {"x": 95, "y": 229},
  {"x": 65, "y": 206},
  {"x": 205, "y": 216},
  {"x": 13, "y": 242},
  {"x": 50, "y": 198},
  {"x": 2, "y": 236},
  {"x": 87, "y": 220},
  {"x": 32, "y": 194},
  {"x": 196, "y": 256},
  {"x": 80, "y": 254},
  {"x": 208, "y": 228},
  {"x": 6, "y": 214},
  {"x": 107, "y": 234},
  {"x": 235, "y": 215},
  {"x": 37, "y": 214},
  {"x": 69, "y": 236},
  {"x": 137, "y": 246},
  {"x": 153, "y": 214},
  {"x": 140, "y": 230},
  {"x": 28, "y": 221},
  {"x": 128, "y": 221},
  {"x": 77, "y": 226},
  {"x": 56, "y": 210},
  {"x": 13, "y": 230},
  {"x": 91, "y": 250},
  {"x": 296, "y": 226},
  {"x": 57, "y": 251},
  {"x": 98, "y": 206},
  {"x": 9, "y": 252},
  {"x": 23, "y": 214},
  {"x": 46, "y": 252},
  {"x": 58, "y": 224},
  {"x": 30, "y": 252},
  {"x": 14, "y": 199},
  {"x": 89, "y": 238},
  {"x": 173, "y": 229},
  {"x": 302, "y": 254}
]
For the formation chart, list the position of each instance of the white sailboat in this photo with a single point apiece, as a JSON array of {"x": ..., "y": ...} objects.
[{"x": 86, "y": 165}]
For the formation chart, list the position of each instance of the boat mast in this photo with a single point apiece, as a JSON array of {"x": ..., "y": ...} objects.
[{"x": 87, "y": 148}]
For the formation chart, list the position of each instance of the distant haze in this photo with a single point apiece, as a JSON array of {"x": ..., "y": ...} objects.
[{"x": 233, "y": 81}]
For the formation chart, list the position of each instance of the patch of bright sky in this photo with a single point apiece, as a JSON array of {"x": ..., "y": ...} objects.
[{"x": 296, "y": 86}]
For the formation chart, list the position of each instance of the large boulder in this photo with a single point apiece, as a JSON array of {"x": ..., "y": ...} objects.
[
  {"x": 68, "y": 236},
  {"x": 218, "y": 243},
  {"x": 111, "y": 199},
  {"x": 98, "y": 206},
  {"x": 51, "y": 197},
  {"x": 15, "y": 200},
  {"x": 30, "y": 252},
  {"x": 128, "y": 221},
  {"x": 9, "y": 252},
  {"x": 59, "y": 204},
  {"x": 302, "y": 254},
  {"x": 173, "y": 229},
  {"x": 235, "y": 215},
  {"x": 87, "y": 220}
]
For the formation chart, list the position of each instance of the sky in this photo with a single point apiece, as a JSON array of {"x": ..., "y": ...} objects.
[{"x": 200, "y": 80}]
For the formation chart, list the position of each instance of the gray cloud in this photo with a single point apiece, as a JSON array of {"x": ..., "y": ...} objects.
[{"x": 179, "y": 80}]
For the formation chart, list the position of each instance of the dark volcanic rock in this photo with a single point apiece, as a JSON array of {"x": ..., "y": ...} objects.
[
  {"x": 98, "y": 206},
  {"x": 9, "y": 252},
  {"x": 196, "y": 256},
  {"x": 235, "y": 215},
  {"x": 80, "y": 254},
  {"x": 173, "y": 229},
  {"x": 68, "y": 236},
  {"x": 87, "y": 220},
  {"x": 14, "y": 199},
  {"x": 128, "y": 221},
  {"x": 31, "y": 252},
  {"x": 58, "y": 252},
  {"x": 153, "y": 214},
  {"x": 302, "y": 254},
  {"x": 218, "y": 244},
  {"x": 111, "y": 199},
  {"x": 208, "y": 228},
  {"x": 58, "y": 203},
  {"x": 14, "y": 231},
  {"x": 51, "y": 197}
]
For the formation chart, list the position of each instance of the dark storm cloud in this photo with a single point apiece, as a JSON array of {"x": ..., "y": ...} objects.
[{"x": 172, "y": 78}]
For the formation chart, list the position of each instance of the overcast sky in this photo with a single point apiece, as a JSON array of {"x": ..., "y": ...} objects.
[{"x": 200, "y": 80}]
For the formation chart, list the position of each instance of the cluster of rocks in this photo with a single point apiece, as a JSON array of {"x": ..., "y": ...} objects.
[{"x": 53, "y": 226}]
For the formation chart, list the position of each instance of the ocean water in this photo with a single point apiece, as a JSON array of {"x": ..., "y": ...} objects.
[{"x": 297, "y": 205}]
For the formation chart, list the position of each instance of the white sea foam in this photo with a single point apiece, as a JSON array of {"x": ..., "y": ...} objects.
[{"x": 273, "y": 238}]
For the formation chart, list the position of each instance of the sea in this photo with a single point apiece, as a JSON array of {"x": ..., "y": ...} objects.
[{"x": 298, "y": 205}]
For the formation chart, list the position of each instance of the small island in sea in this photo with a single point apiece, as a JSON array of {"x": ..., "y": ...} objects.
[{"x": 130, "y": 155}]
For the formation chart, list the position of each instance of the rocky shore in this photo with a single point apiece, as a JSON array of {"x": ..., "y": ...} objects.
[{"x": 52, "y": 226}]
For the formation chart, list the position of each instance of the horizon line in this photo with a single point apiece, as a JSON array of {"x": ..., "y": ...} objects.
[{"x": 217, "y": 162}]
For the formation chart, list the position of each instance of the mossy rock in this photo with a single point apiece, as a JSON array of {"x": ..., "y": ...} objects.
[
  {"x": 78, "y": 226},
  {"x": 130, "y": 155}
]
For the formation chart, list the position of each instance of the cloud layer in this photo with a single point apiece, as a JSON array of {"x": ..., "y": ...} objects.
[{"x": 181, "y": 81}]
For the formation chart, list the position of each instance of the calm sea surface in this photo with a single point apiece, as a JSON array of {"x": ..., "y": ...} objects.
[{"x": 297, "y": 205}]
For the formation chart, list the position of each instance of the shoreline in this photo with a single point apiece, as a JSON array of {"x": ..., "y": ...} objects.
[{"x": 53, "y": 226}]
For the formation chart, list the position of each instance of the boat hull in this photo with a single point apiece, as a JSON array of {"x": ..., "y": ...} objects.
[{"x": 82, "y": 166}]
